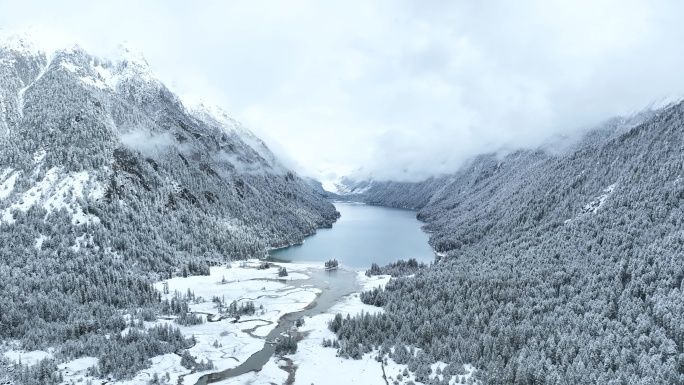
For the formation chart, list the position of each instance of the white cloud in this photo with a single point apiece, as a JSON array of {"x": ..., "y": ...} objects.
[
  {"x": 147, "y": 142},
  {"x": 401, "y": 88}
]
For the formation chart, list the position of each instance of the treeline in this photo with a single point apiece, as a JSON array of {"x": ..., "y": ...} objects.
[{"x": 396, "y": 269}]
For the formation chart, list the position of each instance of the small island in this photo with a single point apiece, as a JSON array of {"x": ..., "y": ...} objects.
[{"x": 331, "y": 264}]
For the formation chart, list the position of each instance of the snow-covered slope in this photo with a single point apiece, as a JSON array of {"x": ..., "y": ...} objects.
[
  {"x": 109, "y": 182},
  {"x": 552, "y": 261},
  {"x": 108, "y": 131}
]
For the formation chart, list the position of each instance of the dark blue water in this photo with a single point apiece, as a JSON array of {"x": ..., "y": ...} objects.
[{"x": 364, "y": 234}]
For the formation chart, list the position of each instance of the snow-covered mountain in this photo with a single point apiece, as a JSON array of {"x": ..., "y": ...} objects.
[
  {"x": 557, "y": 266},
  {"x": 104, "y": 138},
  {"x": 109, "y": 182},
  {"x": 417, "y": 195}
]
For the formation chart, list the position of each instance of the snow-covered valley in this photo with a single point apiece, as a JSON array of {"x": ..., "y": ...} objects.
[
  {"x": 227, "y": 343},
  {"x": 465, "y": 225}
]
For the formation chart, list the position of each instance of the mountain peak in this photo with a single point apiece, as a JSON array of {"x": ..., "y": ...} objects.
[
  {"x": 21, "y": 43},
  {"x": 207, "y": 110},
  {"x": 128, "y": 53},
  {"x": 34, "y": 40}
]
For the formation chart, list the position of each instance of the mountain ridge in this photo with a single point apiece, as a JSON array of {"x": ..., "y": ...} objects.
[
  {"x": 416, "y": 195},
  {"x": 221, "y": 140}
]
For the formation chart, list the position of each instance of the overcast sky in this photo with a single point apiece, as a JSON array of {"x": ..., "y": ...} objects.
[{"x": 402, "y": 89}]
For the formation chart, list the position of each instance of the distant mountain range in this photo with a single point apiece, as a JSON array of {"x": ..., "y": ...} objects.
[{"x": 419, "y": 195}]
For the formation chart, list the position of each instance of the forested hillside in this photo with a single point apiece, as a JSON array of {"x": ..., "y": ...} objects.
[
  {"x": 109, "y": 182},
  {"x": 559, "y": 267}
]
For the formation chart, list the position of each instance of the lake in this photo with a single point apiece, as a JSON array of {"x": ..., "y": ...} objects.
[{"x": 364, "y": 234}]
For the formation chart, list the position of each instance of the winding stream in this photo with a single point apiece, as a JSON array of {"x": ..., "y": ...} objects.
[{"x": 335, "y": 284}]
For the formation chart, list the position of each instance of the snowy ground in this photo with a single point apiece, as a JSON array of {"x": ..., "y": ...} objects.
[
  {"x": 27, "y": 358},
  {"x": 318, "y": 365},
  {"x": 74, "y": 371}
]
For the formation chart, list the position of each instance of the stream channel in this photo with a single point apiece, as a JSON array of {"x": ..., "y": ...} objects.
[{"x": 335, "y": 285}]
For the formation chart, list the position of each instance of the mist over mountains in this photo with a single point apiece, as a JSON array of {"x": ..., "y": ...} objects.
[{"x": 555, "y": 268}]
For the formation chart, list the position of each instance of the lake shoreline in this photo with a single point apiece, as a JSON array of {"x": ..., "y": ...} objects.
[{"x": 364, "y": 234}]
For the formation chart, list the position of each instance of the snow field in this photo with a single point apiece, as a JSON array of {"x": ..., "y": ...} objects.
[
  {"x": 27, "y": 358},
  {"x": 75, "y": 371},
  {"x": 7, "y": 180},
  {"x": 54, "y": 192}
]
